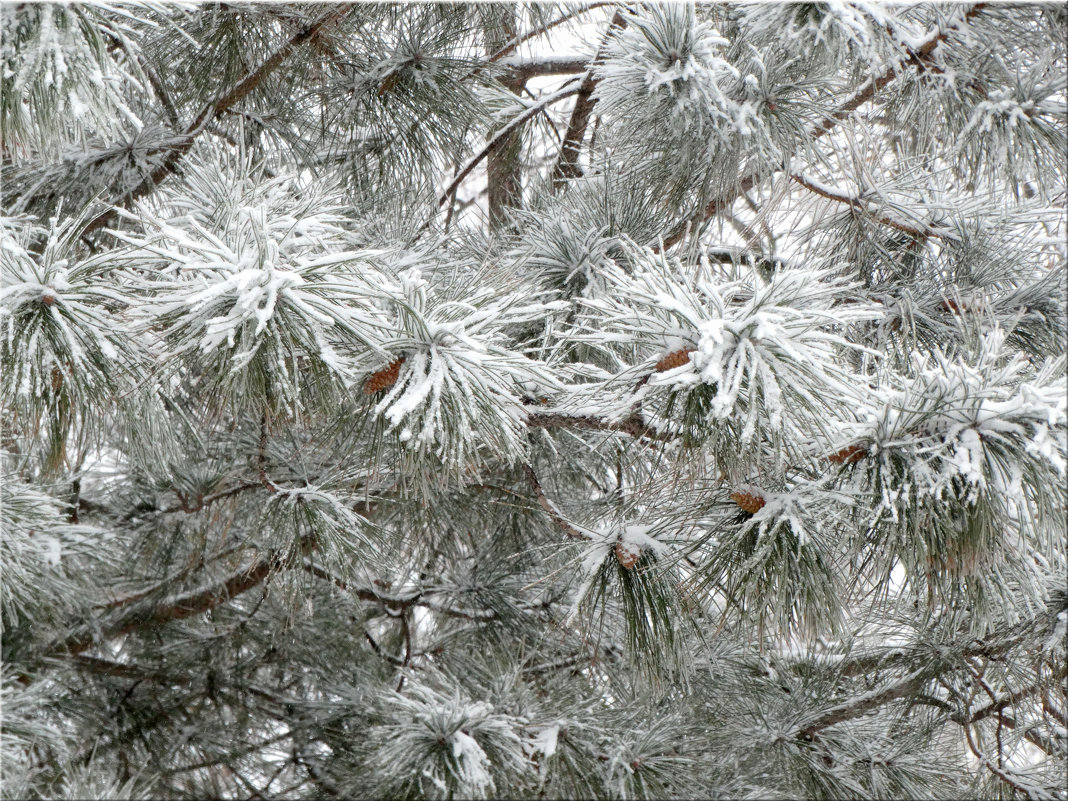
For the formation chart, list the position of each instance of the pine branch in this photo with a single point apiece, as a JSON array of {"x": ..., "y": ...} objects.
[
  {"x": 511, "y": 46},
  {"x": 525, "y": 69},
  {"x": 999, "y": 704},
  {"x": 192, "y": 604},
  {"x": 910, "y": 685},
  {"x": 1005, "y": 775},
  {"x": 396, "y": 661},
  {"x": 202, "y": 501},
  {"x": 634, "y": 425},
  {"x": 399, "y": 603},
  {"x": 994, "y": 647},
  {"x": 867, "y": 90},
  {"x": 125, "y": 670},
  {"x": 860, "y": 205},
  {"x": 212, "y": 111}
]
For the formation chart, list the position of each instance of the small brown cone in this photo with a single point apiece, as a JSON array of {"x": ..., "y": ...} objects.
[
  {"x": 849, "y": 455},
  {"x": 48, "y": 297},
  {"x": 384, "y": 378},
  {"x": 748, "y": 502},
  {"x": 954, "y": 306},
  {"x": 675, "y": 359},
  {"x": 389, "y": 83},
  {"x": 627, "y": 553}
]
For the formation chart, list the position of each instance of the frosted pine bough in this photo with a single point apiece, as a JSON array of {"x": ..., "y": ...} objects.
[{"x": 533, "y": 401}]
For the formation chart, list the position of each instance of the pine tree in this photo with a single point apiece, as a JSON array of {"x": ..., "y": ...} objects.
[{"x": 534, "y": 400}]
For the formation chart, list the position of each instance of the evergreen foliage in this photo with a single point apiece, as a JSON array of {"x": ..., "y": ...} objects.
[{"x": 534, "y": 400}]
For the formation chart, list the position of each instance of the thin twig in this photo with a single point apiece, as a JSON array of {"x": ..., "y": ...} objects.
[
  {"x": 511, "y": 46},
  {"x": 554, "y": 513},
  {"x": 500, "y": 136}
]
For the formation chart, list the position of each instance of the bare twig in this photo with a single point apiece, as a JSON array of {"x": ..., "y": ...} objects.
[{"x": 554, "y": 513}]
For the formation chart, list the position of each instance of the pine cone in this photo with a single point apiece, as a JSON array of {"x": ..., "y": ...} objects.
[
  {"x": 389, "y": 83},
  {"x": 627, "y": 553},
  {"x": 954, "y": 306},
  {"x": 676, "y": 359},
  {"x": 849, "y": 455},
  {"x": 748, "y": 502},
  {"x": 48, "y": 297},
  {"x": 384, "y": 378}
]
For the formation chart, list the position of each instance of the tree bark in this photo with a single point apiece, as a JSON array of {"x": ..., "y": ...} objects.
[{"x": 505, "y": 189}]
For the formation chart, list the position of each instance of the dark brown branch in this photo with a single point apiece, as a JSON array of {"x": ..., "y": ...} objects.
[
  {"x": 184, "y": 505},
  {"x": 910, "y": 685},
  {"x": 522, "y": 71},
  {"x": 395, "y": 603},
  {"x": 192, "y": 604},
  {"x": 567, "y": 163},
  {"x": 633, "y": 425},
  {"x": 126, "y": 671},
  {"x": 1001, "y": 773},
  {"x": 998, "y": 704},
  {"x": 261, "y": 457},
  {"x": 396, "y": 661},
  {"x": 363, "y": 593},
  {"x": 993, "y": 647},
  {"x": 867, "y": 91},
  {"x": 504, "y": 189},
  {"x": 1036, "y": 738},
  {"x": 861, "y": 206},
  {"x": 213, "y": 110},
  {"x": 161, "y": 93},
  {"x": 549, "y": 667}
]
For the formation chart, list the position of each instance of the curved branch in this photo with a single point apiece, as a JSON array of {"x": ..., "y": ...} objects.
[
  {"x": 567, "y": 163},
  {"x": 910, "y": 685},
  {"x": 191, "y": 604},
  {"x": 511, "y": 46},
  {"x": 554, "y": 513},
  {"x": 860, "y": 205}
]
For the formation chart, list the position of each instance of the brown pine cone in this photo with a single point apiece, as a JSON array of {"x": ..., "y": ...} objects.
[
  {"x": 748, "y": 502},
  {"x": 675, "y": 359},
  {"x": 627, "y": 553},
  {"x": 849, "y": 455},
  {"x": 384, "y": 378}
]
